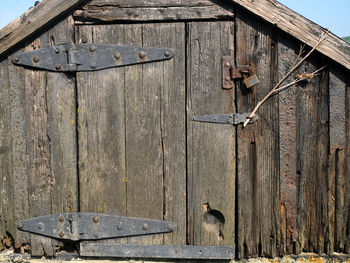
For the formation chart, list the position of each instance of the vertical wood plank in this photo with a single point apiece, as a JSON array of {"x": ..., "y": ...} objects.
[
  {"x": 312, "y": 146},
  {"x": 61, "y": 107},
  {"x": 101, "y": 131},
  {"x": 6, "y": 183},
  {"x": 211, "y": 147},
  {"x": 287, "y": 54},
  {"x": 18, "y": 148},
  {"x": 347, "y": 165},
  {"x": 337, "y": 130},
  {"x": 258, "y": 145}
]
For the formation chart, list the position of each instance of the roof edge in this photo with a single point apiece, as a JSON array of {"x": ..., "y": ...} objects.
[
  {"x": 32, "y": 21},
  {"x": 299, "y": 27}
]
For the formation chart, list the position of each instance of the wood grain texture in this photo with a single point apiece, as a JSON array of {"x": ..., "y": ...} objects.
[
  {"x": 130, "y": 125},
  {"x": 32, "y": 21},
  {"x": 258, "y": 148},
  {"x": 312, "y": 161},
  {"x": 287, "y": 54},
  {"x": 111, "y": 11},
  {"x": 299, "y": 27},
  {"x": 211, "y": 147},
  {"x": 337, "y": 178},
  {"x": 347, "y": 166}
]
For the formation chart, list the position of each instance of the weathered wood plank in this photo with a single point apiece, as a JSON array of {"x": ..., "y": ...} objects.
[
  {"x": 32, "y": 21},
  {"x": 111, "y": 11},
  {"x": 61, "y": 107},
  {"x": 312, "y": 146},
  {"x": 258, "y": 148},
  {"x": 287, "y": 54},
  {"x": 211, "y": 147},
  {"x": 337, "y": 131},
  {"x": 347, "y": 166},
  {"x": 6, "y": 184},
  {"x": 101, "y": 131},
  {"x": 300, "y": 28}
]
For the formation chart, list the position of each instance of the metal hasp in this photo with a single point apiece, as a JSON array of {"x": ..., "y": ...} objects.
[
  {"x": 233, "y": 119},
  {"x": 230, "y": 72},
  {"x": 156, "y": 251},
  {"x": 91, "y": 226},
  {"x": 88, "y": 57}
]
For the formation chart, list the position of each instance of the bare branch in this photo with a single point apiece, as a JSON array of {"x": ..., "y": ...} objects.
[{"x": 294, "y": 67}]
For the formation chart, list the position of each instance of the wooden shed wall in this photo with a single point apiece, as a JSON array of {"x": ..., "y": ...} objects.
[{"x": 291, "y": 181}]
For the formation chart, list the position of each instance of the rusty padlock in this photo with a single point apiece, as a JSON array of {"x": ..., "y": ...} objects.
[{"x": 250, "y": 81}]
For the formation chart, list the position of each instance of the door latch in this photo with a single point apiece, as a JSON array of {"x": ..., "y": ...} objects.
[
  {"x": 233, "y": 119},
  {"x": 230, "y": 72}
]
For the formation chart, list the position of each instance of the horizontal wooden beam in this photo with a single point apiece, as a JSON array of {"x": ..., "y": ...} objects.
[
  {"x": 32, "y": 21},
  {"x": 299, "y": 27}
]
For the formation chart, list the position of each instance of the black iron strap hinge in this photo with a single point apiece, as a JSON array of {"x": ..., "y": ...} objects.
[
  {"x": 89, "y": 57},
  {"x": 85, "y": 227},
  {"x": 233, "y": 119}
]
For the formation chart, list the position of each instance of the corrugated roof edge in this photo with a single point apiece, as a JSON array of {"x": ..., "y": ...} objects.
[{"x": 270, "y": 10}]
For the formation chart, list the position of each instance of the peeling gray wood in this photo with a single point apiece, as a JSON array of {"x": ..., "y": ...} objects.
[
  {"x": 111, "y": 11},
  {"x": 211, "y": 147},
  {"x": 258, "y": 149}
]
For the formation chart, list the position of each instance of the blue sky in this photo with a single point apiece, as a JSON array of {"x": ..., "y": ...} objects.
[{"x": 327, "y": 13}]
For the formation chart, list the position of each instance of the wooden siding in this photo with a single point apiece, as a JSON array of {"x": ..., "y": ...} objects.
[{"x": 121, "y": 141}]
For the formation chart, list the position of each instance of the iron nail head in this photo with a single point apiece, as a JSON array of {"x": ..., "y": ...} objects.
[
  {"x": 20, "y": 226},
  {"x": 92, "y": 48},
  {"x": 57, "y": 50},
  {"x": 144, "y": 227},
  {"x": 36, "y": 59},
  {"x": 40, "y": 225},
  {"x": 95, "y": 219},
  {"x": 170, "y": 227},
  {"x": 61, "y": 234},
  {"x": 93, "y": 65},
  {"x": 117, "y": 55},
  {"x": 120, "y": 227},
  {"x": 142, "y": 54},
  {"x": 16, "y": 59},
  {"x": 84, "y": 40},
  {"x": 58, "y": 67},
  {"x": 227, "y": 65},
  {"x": 61, "y": 217},
  {"x": 167, "y": 53}
]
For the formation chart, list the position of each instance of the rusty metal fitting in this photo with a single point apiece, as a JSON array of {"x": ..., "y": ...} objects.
[
  {"x": 92, "y": 48},
  {"x": 95, "y": 219},
  {"x": 61, "y": 234},
  {"x": 61, "y": 217},
  {"x": 36, "y": 59},
  {"x": 142, "y": 54},
  {"x": 117, "y": 55}
]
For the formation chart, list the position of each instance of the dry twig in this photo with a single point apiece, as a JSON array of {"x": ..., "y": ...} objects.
[{"x": 293, "y": 68}]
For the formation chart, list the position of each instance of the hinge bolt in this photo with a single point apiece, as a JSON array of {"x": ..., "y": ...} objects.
[
  {"x": 16, "y": 59},
  {"x": 57, "y": 50},
  {"x": 40, "y": 225},
  {"x": 142, "y": 54},
  {"x": 58, "y": 67},
  {"x": 117, "y": 55},
  {"x": 95, "y": 219},
  {"x": 144, "y": 227},
  {"x": 93, "y": 65},
  {"x": 167, "y": 53},
  {"x": 92, "y": 49},
  {"x": 61, "y": 234},
  {"x": 227, "y": 65},
  {"x": 120, "y": 227},
  {"x": 20, "y": 226},
  {"x": 61, "y": 217},
  {"x": 36, "y": 59}
]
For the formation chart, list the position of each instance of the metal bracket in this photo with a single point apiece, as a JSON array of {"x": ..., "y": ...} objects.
[
  {"x": 156, "y": 251},
  {"x": 230, "y": 72},
  {"x": 88, "y": 57},
  {"x": 233, "y": 119},
  {"x": 90, "y": 226}
]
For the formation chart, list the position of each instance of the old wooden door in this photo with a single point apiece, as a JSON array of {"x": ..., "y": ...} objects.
[{"x": 139, "y": 153}]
